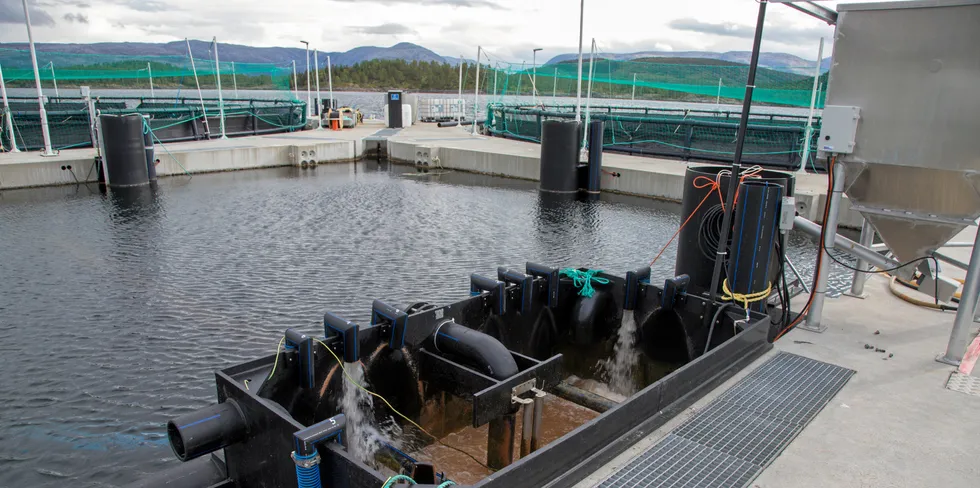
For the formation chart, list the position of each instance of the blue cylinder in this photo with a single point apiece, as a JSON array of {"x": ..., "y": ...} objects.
[{"x": 307, "y": 473}]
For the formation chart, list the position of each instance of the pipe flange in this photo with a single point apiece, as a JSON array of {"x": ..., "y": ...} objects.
[
  {"x": 305, "y": 462},
  {"x": 435, "y": 335}
]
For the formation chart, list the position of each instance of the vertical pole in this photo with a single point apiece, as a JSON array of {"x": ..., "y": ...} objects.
[
  {"x": 459, "y": 98},
  {"x": 578, "y": 94},
  {"x": 718, "y": 97},
  {"x": 534, "y": 77},
  {"x": 309, "y": 96},
  {"x": 633, "y": 96},
  {"x": 316, "y": 69},
  {"x": 808, "y": 133},
  {"x": 500, "y": 441},
  {"x": 54, "y": 80},
  {"x": 149, "y": 72},
  {"x": 476, "y": 89},
  {"x": 200, "y": 96},
  {"x": 221, "y": 99},
  {"x": 37, "y": 83},
  {"x": 959, "y": 337},
  {"x": 495, "y": 70},
  {"x": 329, "y": 82},
  {"x": 295, "y": 82},
  {"x": 867, "y": 239},
  {"x": 554, "y": 88},
  {"x": 234, "y": 78},
  {"x": 90, "y": 107},
  {"x": 815, "y": 315},
  {"x": 6, "y": 113},
  {"x": 726, "y": 221},
  {"x": 588, "y": 98}
]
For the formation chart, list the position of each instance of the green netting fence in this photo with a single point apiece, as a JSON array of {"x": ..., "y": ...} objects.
[
  {"x": 184, "y": 115},
  {"x": 172, "y": 120},
  {"x": 772, "y": 140},
  {"x": 673, "y": 79}
]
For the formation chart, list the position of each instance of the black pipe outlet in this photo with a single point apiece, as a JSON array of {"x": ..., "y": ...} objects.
[
  {"x": 551, "y": 277},
  {"x": 336, "y": 326},
  {"x": 304, "y": 346},
  {"x": 476, "y": 349},
  {"x": 674, "y": 289},
  {"x": 125, "y": 153},
  {"x": 593, "y": 181},
  {"x": 495, "y": 288},
  {"x": 524, "y": 281},
  {"x": 633, "y": 280},
  {"x": 308, "y": 438},
  {"x": 398, "y": 318},
  {"x": 206, "y": 430}
]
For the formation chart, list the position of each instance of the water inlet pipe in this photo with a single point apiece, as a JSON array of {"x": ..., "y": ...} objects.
[
  {"x": 206, "y": 430},
  {"x": 346, "y": 331},
  {"x": 551, "y": 277},
  {"x": 495, "y": 289},
  {"x": 524, "y": 281},
  {"x": 582, "y": 397},
  {"x": 633, "y": 280},
  {"x": 304, "y": 346},
  {"x": 479, "y": 349}
]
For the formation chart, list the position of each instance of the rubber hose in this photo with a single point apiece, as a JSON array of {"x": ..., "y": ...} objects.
[{"x": 711, "y": 328}]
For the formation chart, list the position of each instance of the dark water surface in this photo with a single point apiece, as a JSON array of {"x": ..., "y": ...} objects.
[{"x": 116, "y": 309}]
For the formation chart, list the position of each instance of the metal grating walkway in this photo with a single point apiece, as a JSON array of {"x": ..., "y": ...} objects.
[{"x": 738, "y": 434}]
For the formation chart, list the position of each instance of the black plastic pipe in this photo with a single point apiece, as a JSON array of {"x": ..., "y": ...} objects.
[
  {"x": 560, "y": 142},
  {"x": 335, "y": 325},
  {"x": 125, "y": 153},
  {"x": 495, "y": 288},
  {"x": 582, "y": 397},
  {"x": 206, "y": 430},
  {"x": 754, "y": 238},
  {"x": 593, "y": 183},
  {"x": 151, "y": 167},
  {"x": 551, "y": 277},
  {"x": 475, "y": 348},
  {"x": 633, "y": 280},
  {"x": 304, "y": 347},
  {"x": 524, "y": 281}
]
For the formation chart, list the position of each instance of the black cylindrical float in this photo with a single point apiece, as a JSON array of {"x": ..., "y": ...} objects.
[
  {"x": 206, "y": 430},
  {"x": 151, "y": 167},
  {"x": 559, "y": 156},
  {"x": 697, "y": 242},
  {"x": 594, "y": 182},
  {"x": 125, "y": 153},
  {"x": 753, "y": 238}
]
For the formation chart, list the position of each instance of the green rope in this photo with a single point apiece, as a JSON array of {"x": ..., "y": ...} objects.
[
  {"x": 583, "y": 280},
  {"x": 447, "y": 484}
]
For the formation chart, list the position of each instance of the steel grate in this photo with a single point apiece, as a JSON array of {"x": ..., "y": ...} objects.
[
  {"x": 738, "y": 434},
  {"x": 963, "y": 383}
]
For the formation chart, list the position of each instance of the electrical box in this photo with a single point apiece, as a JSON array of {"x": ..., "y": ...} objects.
[
  {"x": 787, "y": 214},
  {"x": 839, "y": 129},
  {"x": 395, "y": 109}
]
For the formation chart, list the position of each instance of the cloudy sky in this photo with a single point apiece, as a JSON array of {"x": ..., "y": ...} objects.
[{"x": 508, "y": 29}]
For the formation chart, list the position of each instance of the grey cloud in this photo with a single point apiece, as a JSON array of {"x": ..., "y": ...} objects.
[
  {"x": 450, "y": 3},
  {"x": 146, "y": 5},
  {"x": 383, "y": 29},
  {"x": 80, "y": 18},
  {"x": 776, "y": 33},
  {"x": 12, "y": 12}
]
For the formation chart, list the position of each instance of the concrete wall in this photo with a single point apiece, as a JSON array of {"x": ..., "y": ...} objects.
[
  {"x": 30, "y": 170},
  {"x": 645, "y": 183}
]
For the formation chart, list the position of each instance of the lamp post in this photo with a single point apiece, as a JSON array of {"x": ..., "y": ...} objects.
[
  {"x": 534, "y": 77},
  {"x": 319, "y": 104},
  {"x": 578, "y": 93},
  {"x": 309, "y": 96}
]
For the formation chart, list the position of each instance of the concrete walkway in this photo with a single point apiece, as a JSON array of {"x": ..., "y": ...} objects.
[{"x": 893, "y": 425}]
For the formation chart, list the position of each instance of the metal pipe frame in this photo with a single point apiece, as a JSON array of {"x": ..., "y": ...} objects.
[
  {"x": 846, "y": 245},
  {"x": 815, "y": 315},
  {"x": 959, "y": 337},
  {"x": 857, "y": 282}
]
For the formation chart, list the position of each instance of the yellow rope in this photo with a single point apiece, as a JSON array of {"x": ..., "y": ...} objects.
[
  {"x": 276, "y": 364},
  {"x": 744, "y": 298}
]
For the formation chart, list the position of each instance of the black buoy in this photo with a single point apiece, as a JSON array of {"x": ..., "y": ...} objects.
[
  {"x": 151, "y": 168},
  {"x": 559, "y": 156},
  {"x": 125, "y": 151},
  {"x": 754, "y": 238},
  {"x": 697, "y": 241}
]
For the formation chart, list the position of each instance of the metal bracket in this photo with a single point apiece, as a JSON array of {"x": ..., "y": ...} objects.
[
  {"x": 523, "y": 388},
  {"x": 811, "y": 9}
]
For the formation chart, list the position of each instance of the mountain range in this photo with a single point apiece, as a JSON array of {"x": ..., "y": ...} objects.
[{"x": 403, "y": 50}]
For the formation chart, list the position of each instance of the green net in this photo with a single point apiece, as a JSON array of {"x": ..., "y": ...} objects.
[
  {"x": 694, "y": 80},
  {"x": 772, "y": 140},
  {"x": 172, "y": 105}
]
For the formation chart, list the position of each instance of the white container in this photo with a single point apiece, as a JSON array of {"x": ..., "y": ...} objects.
[
  {"x": 440, "y": 109},
  {"x": 406, "y": 115}
]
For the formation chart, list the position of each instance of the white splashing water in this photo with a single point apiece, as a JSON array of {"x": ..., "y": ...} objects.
[
  {"x": 619, "y": 368},
  {"x": 361, "y": 437}
]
